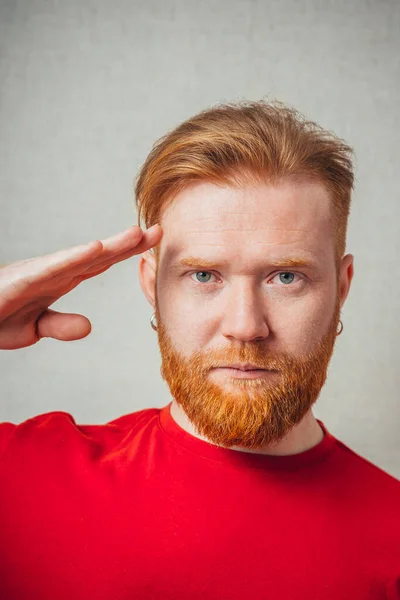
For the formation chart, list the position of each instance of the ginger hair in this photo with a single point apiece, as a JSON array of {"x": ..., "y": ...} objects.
[{"x": 247, "y": 142}]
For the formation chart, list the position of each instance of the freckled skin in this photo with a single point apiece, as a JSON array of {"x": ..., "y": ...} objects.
[{"x": 246, "y": 304}]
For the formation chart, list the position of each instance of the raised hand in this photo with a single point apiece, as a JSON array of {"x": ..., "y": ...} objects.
[{"x": 28, "y": 287}]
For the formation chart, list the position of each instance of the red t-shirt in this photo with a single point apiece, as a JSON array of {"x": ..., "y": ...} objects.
[{"x": 140, "y": 509}]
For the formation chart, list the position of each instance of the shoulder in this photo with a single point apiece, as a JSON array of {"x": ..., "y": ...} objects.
[
  {"x": 60, "y": 429},
  {"x": 365, "y": 468},
  {"x": 359, "y": 480}
]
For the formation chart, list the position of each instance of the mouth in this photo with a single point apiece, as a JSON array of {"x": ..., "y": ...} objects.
[
  {"x": 244, "y": 367},
  {"x": 247, "y": 371}
]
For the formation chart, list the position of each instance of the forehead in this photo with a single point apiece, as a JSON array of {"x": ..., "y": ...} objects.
[{"x": 247, "y": 222}]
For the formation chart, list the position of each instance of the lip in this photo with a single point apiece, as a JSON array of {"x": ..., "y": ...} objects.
[
  {"x": 242, "y": 373},
  {"x": 245, "y": 367}
]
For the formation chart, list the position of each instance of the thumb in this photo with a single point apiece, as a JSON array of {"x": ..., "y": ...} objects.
[{"x": 63, "y": 326}]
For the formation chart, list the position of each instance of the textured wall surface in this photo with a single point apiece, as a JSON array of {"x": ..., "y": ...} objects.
[{"x": 87, "y": 86}]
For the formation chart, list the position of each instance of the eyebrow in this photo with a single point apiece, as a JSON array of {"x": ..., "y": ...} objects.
[{"x": 294, "y": 261}]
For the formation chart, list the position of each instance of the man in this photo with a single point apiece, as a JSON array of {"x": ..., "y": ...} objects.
[{"x": 234, "y": 489}]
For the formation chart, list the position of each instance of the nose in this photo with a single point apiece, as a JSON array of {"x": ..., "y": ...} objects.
[{"x": 244, "y": 315}]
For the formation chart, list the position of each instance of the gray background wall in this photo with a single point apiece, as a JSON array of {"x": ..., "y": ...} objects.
[{"x": 87, "y": 87}]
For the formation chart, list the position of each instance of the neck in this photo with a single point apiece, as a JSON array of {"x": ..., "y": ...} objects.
[{"x": 303, "y": 436}]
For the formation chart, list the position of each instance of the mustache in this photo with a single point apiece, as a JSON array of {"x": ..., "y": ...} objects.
[{"x": 256, "y": 357}]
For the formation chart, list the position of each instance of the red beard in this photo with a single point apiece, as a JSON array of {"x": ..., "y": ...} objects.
[{"x": 251, "y": 413}]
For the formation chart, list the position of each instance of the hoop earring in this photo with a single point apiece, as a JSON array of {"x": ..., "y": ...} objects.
[
  {"x": 153, "y": 321},
  {"x": 341, "y": 329}
]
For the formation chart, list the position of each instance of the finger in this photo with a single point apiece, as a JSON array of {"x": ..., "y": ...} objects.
[
  {"x": 125, "y": 241},
  {"x": 96, "y": 266},
  {"x": 152, "y": 238},
  {"x": 25, "y": 272},
  {"x": 62, "y": 326},
  {"x": 96, "y": 270},
  {"x": 69, "y": 258},
  {"x": 130, "y": 239}
]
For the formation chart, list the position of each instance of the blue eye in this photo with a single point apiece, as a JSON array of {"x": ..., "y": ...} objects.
[
  {"x": 285, "y": 277},
  {"x": 203, "y": 274},
  {"x": 291, "y": 276}
]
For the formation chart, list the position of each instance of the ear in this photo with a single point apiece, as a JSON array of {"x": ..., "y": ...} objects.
[
  {"x": 346, "y": 275},
  {"x": 147, "y": 276}
]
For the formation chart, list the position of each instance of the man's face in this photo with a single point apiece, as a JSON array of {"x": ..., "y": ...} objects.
[{"x": 228, "y": 292}]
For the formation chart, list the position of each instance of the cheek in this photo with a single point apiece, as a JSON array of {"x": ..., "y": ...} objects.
[
  {"x": 190, "y": 323},
  {"x": 306, "y": 322}
]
